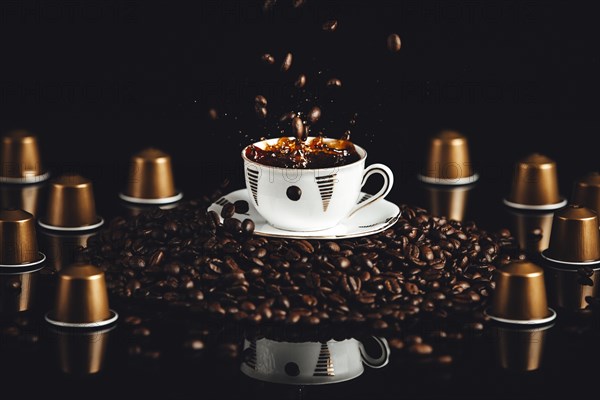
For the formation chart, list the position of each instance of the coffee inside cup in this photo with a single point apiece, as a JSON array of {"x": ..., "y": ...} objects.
[{"x": 313, "y": 153}]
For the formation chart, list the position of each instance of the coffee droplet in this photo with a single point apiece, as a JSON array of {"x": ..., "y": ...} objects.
[
  {"x": 314, "y": 115},
  {"x": 293, "y": 193},
  {"x": 260, "y": 100},
  {"x": 346, "y": 135},
  {"x": 269, "y": 59},
  {"x": 301, "y": 81},
  {"x": 394, "y": 43},
  {"x": 213, "y": 114},
  {"x": 334, "y": 82},
  {"x": 298, "y": 128},
  {"x": 287, "y": 62},
  {"x": 330, "y": 25}
]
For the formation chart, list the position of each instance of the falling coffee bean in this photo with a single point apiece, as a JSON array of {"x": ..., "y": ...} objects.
[
  {"x": 314, "y": 115},
  {"x": 287, "y": 62},
  {"x": 394, "y": 43},
  {"x": 298, "y": 128},
  {"x": 298, "y": 3},
  {"x": 213, "y": 114},
  {"x": 334, "y": 82},
  {"x": 301, "y": 81},
  {"x": 330, "y": 25},
  {"x": 261, "y": 112},
  {"x": 287, "y": 116},
  {"x": 269, "y": 59},
  {"x": 260, "y": 100}
]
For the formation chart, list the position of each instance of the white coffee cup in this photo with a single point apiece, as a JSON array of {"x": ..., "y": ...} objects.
[
  {"x": 327, "y": 195},
  {"x": 309, "y": 363}
]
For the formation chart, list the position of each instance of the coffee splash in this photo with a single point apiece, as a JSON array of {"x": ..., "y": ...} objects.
[{"x": 310, "y": 154}]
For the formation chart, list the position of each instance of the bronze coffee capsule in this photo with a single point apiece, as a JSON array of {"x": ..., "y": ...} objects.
[
  {"x": 71, "y": 205},
  {"x": 532, "y": 229},
  {"x": 81, "y": 298},
  {"x": 520, "y": 295},
  {"x": 448, "y": 161},
  {"x": 535, "y": 185},
  {"x": 17, "y": 290},
  {"x": 18, "y": 241},
  {"x": 151, "y": 179},
  {"x": 586, "y": 192},
  {"x": 575, "y": 238},
  {"x": 450, "y": 202},
  {"x": 20, "y": 160},
  {"x": 520, "y": 350},
  {"x": 24, "y": 197},
  {"x": 81, "y": 352}
]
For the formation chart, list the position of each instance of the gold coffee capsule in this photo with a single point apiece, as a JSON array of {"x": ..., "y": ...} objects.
[
  {"x": 532, "y": 230},
  {"x": 81, "y": 298},
  {"x": 586, "y": 192},
  {"x": 450, "y": 202},
  {"x": 24, "y": 197},
  {"x": 520, "y": 350},
  {"x": 568, "y": 288},
  {"x": 448, "y": 161},
  {"x": 535, "y": 185},
  {"x": 71, "y": 205},
  {"x": 20, "y": 160},
  {"x": 575, "y": 238},
  {"x": 520, "y": 295},
  {"x": 81, "y": 353},
  {"x": 16, "y": 290},
  {"x": 18, "y": 242},
  {"x": 151, "y": 179},
  {"x": 63, "y": 249}
]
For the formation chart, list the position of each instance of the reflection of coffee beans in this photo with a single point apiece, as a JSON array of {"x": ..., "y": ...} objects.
[{"x": 316, "y": 153}]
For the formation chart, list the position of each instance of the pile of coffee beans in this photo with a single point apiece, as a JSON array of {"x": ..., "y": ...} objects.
[{"x": 424, "y": 268}]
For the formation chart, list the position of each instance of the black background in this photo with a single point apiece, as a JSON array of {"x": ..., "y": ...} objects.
[{"x": 98, "y": 81}]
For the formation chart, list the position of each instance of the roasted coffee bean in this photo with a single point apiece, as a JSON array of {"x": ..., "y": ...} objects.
[
  {"x": 334, "y": 82},
  {"x": 300, "y": 82},
  {"x": 261, "y": 112},
  {"x": 420, "y": 349},
  {"x": 314, "y": 114},
  {"x": 287, "y": 62},
  {"x": 394, "y": 43},
  {"x": 298, "y": 128},
  {"x": 228, "y": 210},
  {"x": 260, "y": 100},
  {"x": 248, "y": 226},
  {"x": 330, "y": 25},
  {"x": 213, "y": 114},
  {"x": 269, "y": 59},
  {"x": 241, "y": 206},
  {"x": 193, "y": 344},
  {"x": 133, "y": 320}
]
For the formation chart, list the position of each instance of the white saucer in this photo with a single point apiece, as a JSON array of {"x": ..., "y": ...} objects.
[{"x": 375, "y": 218}]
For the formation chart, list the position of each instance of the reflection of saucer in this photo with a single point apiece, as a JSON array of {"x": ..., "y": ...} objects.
[{"x": 375, "y": 218}]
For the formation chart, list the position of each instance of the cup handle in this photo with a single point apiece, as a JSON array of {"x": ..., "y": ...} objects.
[
  {"x": 388, "y": 182},
  {"x": 382, "y": 360}
]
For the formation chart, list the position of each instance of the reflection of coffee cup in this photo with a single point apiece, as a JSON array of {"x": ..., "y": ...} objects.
[
  {"x": 298, "y": 199},
  {"x": 309, "y": 363}
]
